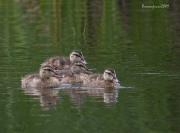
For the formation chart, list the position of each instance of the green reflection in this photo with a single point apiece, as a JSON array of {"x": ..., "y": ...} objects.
[{"x": 137, "y": 42}]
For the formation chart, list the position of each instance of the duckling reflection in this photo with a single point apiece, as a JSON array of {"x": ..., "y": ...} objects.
[
  {"x": 110, "y": 96},
  {"x": 60, "y": 63},
  {"x": 79, "y": 96},
  {"x": 48, "y": 97}
]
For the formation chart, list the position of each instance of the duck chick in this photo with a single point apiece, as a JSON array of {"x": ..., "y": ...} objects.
[
  {"x": 106, "y": 80},
  {"x": 75, "y": 73},
  {"x": 46, "y": 78},
  {"x": 60, "y": 62}
]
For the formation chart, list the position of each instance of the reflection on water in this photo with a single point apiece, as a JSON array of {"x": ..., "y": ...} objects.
[
  {"x": 142, "y": 45},
  {"x": 49, "y": 97}
]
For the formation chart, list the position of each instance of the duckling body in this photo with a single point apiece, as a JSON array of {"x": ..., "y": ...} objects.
[
  {"x": 60, "y": 63},
  {"x": 35, "y": 81},
  {"x": 74, "y": 74},
  {"x": 106, "y": 80},
  {"x": 71, "y": 79},
  {"x": 45, "y": 79}
]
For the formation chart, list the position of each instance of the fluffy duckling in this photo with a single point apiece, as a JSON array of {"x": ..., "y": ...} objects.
[
  {"x": 106, "y": 80},
  {"x": 60, "y": 63},
  {"x": 75, "y": 73},
  {"x": 46, "y": 78}
]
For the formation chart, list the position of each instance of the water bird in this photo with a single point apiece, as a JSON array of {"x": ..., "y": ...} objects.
[
  {"x": 106, "y": 80},
  {"x": 47, "y": 77},
  {"x": 75, "y": 73},
  {"x": 61, "y": 62}
]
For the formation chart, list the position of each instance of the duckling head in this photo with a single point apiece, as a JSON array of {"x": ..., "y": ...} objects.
[
  {"x": 47, "y": 72},
  {"x": 110, "y": 75},
  {"x": 78, "y": 68},
  {"x": 77, "y": 56}
]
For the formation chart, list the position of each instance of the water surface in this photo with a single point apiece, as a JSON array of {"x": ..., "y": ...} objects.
[{"x": 142, "y": 45}]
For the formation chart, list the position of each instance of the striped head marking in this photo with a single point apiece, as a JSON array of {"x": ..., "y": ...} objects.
[
  {"x": 79, "y": 68},
  {"x": 77, "y": 56},
  {"x": 47, "y": 71},
  {"x": 109, "y": 74}
]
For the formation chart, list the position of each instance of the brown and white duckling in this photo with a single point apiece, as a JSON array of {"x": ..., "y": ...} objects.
[
  {"x": 46, "y": 78},
  {"x": 60, "y": 63},
  {"x": 74, "y": 73},
  {"x": 106, "y": 80}
]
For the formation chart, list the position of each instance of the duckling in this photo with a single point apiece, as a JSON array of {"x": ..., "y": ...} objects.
[
  {"x": 75, "y": 73},
  {"x": 46, "y": 78},
  {"x": 60, "y": 63},
  {"x": 106, "y": 80}
]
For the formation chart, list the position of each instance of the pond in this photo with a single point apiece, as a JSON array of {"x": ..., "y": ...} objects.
[{"x": 141, "y": 44}]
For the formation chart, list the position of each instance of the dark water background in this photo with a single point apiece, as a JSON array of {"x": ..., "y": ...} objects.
[{"x": 143, "y": 45}]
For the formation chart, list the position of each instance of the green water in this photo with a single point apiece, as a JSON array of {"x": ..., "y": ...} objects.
[{"x": 142, "y": 45}]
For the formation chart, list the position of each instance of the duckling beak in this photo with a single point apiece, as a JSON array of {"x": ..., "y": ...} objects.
[
  {"x": 84, "y": 62},
  {"x": 88, "y": 72},
  {"x": 116, "y": 81},
  {"x": 92, "y": 70}
]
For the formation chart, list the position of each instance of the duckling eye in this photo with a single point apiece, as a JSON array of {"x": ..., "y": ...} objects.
[
  {"x": 56, "y": 68},
  {"x": 110, "y": 74},
  {"x": 77, "y": 55}
]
